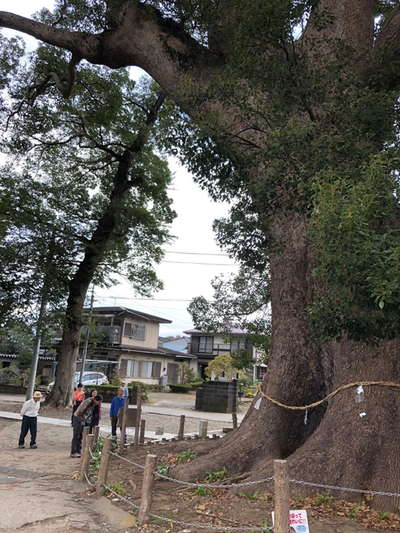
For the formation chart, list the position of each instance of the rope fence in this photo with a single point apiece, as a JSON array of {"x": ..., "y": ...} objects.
[
  {"x": 330, "y": 395},
  {"x": 345, "y": 489},
  {"x": 185, "y": 524},
  {"x": 280, "y": 479}
]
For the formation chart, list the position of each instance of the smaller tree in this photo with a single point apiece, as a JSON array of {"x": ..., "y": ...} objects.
[
  {"x": 187, "y": 373},
  {"x": 239, "y": 301},
  {"x": 224, "y": 365}
]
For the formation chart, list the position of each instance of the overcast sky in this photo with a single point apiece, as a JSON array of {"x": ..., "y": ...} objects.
[{"x": 192, "y": 228}]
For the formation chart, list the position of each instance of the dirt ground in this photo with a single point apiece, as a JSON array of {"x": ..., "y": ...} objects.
[
  {"x": 39, "y": 491},
  {"x": 247, "y": 507}
]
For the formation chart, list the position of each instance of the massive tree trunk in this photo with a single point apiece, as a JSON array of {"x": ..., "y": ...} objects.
[
  {"x": 295, "y": 374},
  {"x": 356, "y": 443},
  {"x": 300, "y": 371}
]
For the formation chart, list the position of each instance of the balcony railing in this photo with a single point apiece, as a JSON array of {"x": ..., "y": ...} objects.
[{"x": 217, "y": 349}]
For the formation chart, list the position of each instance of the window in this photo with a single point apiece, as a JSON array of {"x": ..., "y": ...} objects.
[
  {"x": 130, "y": 368},
  {"x": 206, "y": 344},
  {"x": 134, "y": 331},
  {"x": 260, "y": 372},
  {"x": 238, "y": 344},
  {"x": 156, "y": 370},
  {"x": 143, "y": 369}
]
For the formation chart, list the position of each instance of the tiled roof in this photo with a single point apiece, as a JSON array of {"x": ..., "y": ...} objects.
[
  {"x": 137, "y": 314},
  {"x": 156, "y": 351},
  {"x": 232, "y": 331},
  {"x": 14, "y": 356}
]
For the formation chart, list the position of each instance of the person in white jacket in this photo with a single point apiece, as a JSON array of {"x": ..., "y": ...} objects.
[{"x": 29, "y": 413}]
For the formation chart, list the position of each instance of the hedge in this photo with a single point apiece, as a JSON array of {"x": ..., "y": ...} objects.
[
  {"x": 181, "y": 387},
  {"x": 109, "y": 391}
]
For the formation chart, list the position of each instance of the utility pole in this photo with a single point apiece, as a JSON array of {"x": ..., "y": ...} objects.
[
  {"x": 36, "y": 350},
  {"x": 42, "y": 312},
  {"x": 85, "y": 348}
]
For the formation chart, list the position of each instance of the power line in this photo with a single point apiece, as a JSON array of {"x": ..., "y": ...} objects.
[
  {"x": 195, "y": 253},
  {"x": 195, "y": 263},
  {"x": 142, "y": 299}
]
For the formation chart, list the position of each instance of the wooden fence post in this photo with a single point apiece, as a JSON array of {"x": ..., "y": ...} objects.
[
  {"x": 85, "y": 433},
  {"x": 234, "y": 420},
  {"x": 181, "y": 431},
  {"x": 203, "y": 426},
  {"x": 96, "y": 432},
  {"x": 86, "y": 457},
  {"x": 147, "y": 488},
  {"x": 103, "y": 468},
  {"x": 123, "y": 426},
  {"x": 138, "y": 414},
  {"x": 142, "y": 431},
  {"x": 281, "y": 489}
]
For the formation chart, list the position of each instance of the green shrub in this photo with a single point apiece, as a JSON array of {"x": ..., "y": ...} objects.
[
  {"x": 11, "y": 375},
  {"x": 196, "y": 384},
  {"x": 133, "y": 391},
  {"x": 108, "y": 391},
  {"x": 181, "y": 387}
]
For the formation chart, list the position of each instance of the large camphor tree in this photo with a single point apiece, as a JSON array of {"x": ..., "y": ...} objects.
[{"x": 301, "y": 97}]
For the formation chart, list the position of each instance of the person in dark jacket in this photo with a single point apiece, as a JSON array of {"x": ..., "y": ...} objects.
[
  {"x": 80, "y": 415},
  {"x": 93, "y": 417},
  {"x": 117, "y": 403}
]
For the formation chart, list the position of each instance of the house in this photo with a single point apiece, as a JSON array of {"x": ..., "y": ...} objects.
[
  {"x": 179, "y": 344},
  {"x": 126, "y": 341},
  {"x": 208, "y": 345},
  {"x": 46, "y": 363}
]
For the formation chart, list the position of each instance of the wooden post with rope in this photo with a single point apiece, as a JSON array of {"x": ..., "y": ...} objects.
[
  {"x": 122, "y": 441},
  {"x": 85, "y": 433},
  {"x": 103, "y": 468},
  {"x": 138, "y": 413},
  {"x": 86, "y": 457},
  {"x": 281, "y": 490},
  {"x": 142, "y": 431},
  {"x": 181, "y": 430},
  {"x": 234, "y": 420},
  {"x": 147, "y": 488},
  {"x": 96, "y": 432}
]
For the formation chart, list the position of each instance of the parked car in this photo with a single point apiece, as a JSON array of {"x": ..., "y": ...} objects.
[{"x": 88, "y": 378}]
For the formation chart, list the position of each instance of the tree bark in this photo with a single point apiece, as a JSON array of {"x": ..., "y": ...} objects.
[
  {"x": 356, "y": 443},
  {"x": 78, "y": 287},
  {"x": 296, "y": 374}
]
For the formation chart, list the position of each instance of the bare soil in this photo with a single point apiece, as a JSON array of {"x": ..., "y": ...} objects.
[{"x": 251, "y": 506}]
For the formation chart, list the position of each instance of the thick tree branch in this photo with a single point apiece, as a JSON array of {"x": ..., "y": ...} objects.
[
  {"x": 347, "y": 21},
  {"x": 142, "y": 37},
  {"x": 81, "y": 44}
]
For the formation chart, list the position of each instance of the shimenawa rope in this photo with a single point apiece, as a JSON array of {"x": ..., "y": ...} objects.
[{"x": 330, "y": 396}]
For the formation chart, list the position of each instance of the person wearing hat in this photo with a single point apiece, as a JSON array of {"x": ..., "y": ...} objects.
[{"x": 29, "y": 413}]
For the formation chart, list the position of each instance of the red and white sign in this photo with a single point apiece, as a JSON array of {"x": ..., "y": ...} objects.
[{"x": 298, "y": 521}]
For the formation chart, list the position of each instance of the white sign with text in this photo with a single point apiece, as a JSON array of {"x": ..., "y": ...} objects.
[{"x": 298, "y": 521}]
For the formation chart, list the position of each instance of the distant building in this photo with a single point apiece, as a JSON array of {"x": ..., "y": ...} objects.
[
  {"x": 126, "y": 342},
  {"x": 207, "y": 345},
  {"x": 180, "y": 345}
]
